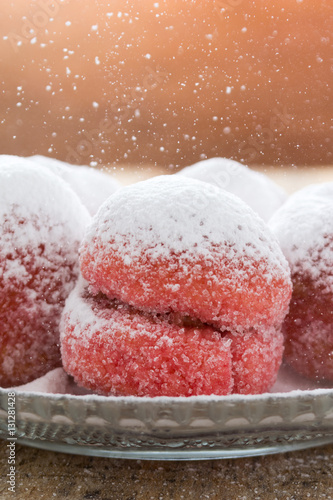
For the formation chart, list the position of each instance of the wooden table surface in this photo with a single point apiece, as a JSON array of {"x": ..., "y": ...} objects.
[
  {"x": 298, "y": 475},
  {"x": 46, "y": 475}
]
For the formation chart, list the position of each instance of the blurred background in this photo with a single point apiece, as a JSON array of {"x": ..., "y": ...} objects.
[{"x": 167, "y": 83}]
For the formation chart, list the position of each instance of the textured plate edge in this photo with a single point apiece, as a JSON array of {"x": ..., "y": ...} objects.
[{"x": 169, "y": 455}]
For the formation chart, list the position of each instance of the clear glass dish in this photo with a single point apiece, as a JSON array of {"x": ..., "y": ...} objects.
[{"x": 201, "y": 427}]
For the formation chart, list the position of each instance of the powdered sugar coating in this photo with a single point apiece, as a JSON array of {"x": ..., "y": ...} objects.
[
  {"x": 42, "y": 224},
  {"x": 304, "y": 227},
  {"x": 254, "y": 188},
  {"x": 92, "y": 186},
  {"x": 113, "y": 348},
  {"x": 322, "y": 190},
  {"x": 55, "y": 381},
  {"x": 178, "y": 244}
]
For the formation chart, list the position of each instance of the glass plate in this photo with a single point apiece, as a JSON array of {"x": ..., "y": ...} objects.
[{"x": 200, "y": 427}]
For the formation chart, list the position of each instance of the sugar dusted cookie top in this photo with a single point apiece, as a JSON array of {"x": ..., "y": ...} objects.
[
  {"x": 36, "y": 205},
  {"x": 304, "y": 228},
  {"x": 172, "y": 214},
  {"x": 254, "y": 188},
  {"x": 92, "y": 186}
]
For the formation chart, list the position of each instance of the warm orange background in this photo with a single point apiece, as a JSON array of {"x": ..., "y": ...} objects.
[{"x": 160, "y": 73}]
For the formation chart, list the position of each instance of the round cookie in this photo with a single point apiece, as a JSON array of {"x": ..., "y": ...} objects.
[
  {"x": 254, "y": 188},
  {"x": 42, "y": 224},
  {"x": 178, "y": 244},
  {"x": 304, "y": 227},
  {"x": 92, "y": 186},
  {"x": 112, "y": 348}
]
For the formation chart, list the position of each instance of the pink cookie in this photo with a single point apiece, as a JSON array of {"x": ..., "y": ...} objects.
[
  {"x": 181, "y": 245},
  {"x": 112, "y": 348},
  {"x": 42, "y": 224},
  {"x": 304, "y": 227}
]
